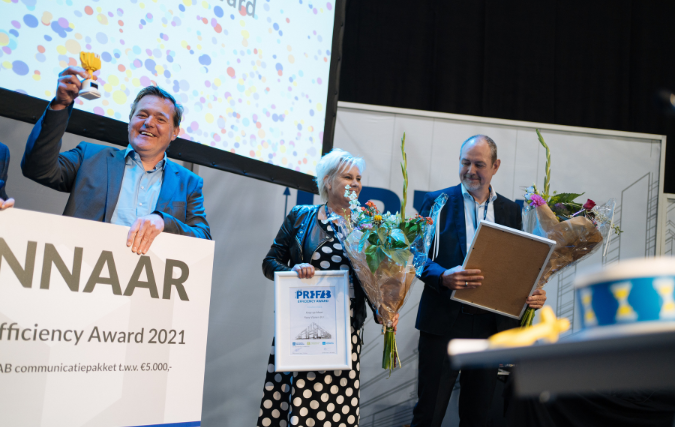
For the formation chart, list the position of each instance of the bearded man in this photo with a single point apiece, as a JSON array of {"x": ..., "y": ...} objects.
[{"x": 441, "y": 319}]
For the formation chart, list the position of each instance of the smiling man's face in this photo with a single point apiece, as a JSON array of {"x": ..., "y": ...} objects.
[
  {"x": 476, "y": 167},
  {"x": 151, "y": 128}
]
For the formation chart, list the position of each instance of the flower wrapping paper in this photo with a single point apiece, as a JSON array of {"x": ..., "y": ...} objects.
[
  {"x": 389, "y": 286},
  {"x": 576, "y": 238}
]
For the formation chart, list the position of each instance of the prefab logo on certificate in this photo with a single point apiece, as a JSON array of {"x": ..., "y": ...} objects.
[{"x": 313, "y": 322}]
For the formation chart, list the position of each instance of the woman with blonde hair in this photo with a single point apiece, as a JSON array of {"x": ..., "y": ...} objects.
[{"x": 304, "y": 244}]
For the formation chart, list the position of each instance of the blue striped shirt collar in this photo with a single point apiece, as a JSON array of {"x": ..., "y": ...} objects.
[
  {"x": 159, "y": 166},
  {"x": 468, "y": 196}
]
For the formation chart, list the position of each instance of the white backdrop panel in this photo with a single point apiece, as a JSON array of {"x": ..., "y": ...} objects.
[
  {"x": 583, "y": 160},
  {"x": 362, "y": 134}
]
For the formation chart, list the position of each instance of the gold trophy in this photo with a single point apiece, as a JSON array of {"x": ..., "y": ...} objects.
[{"x": 90, "y": 62}]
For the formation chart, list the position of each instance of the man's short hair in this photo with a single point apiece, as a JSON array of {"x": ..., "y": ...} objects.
[
  {"x": 161, "y": 93},
  {"x": 490, "y": 142}
]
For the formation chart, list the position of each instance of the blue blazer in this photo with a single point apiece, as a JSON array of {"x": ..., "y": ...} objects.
[
  {"x": 437, "y": 312},
  {"x": 93, "y": 173},
  {"x": 4, "y": 167}
]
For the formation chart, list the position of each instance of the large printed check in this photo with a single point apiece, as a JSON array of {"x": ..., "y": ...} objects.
[{"x": 92, "y": 334}]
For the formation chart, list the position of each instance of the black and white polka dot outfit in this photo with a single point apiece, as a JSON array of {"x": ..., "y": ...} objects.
[{"x": 323, "y": 398}]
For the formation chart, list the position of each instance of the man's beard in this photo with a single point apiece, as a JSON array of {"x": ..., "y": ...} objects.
[{"x": 471, "y": 185}]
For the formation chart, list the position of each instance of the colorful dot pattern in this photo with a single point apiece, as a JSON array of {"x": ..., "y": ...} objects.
[{"x": 252, "y": 81}]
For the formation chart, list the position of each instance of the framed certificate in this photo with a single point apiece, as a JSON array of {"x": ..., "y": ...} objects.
[
  {"x": 311, "y": 321},
  {"x": 511, "y": 262}
]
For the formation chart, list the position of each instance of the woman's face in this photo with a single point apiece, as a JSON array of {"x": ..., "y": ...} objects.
[{"x": 336, "y": 189}]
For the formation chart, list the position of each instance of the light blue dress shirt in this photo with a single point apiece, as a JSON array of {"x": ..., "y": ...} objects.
[
  {"x": 140, "y": 189},
  {"x": 474, "y": 213}
]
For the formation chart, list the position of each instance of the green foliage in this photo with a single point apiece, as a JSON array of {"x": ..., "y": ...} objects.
[
  {"x": 374, "y": 257},
  {"x": 527, "y": 318},
  {"x": 412, "y": 229},
  {"x": 369, "y": 236},
  {"x": 404, "y": 169},
  {"x": 547, "y": 177},
  {"x": 397, "y": 239},
  {"x": 399, "y": 256},
  {"x": 382, "y": 234},
  {"x": 390, "y": 359},
  {"x": 563, "y": 205},
  {"x": 564, "y": 198},
  {"x": 387, "y": 241},
  {"x": 388, "y": 236}
]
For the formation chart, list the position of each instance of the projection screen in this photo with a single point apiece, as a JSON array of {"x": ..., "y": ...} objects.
[{"x": 257, "y": 78}]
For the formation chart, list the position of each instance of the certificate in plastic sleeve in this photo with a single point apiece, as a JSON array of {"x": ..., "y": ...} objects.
[{"x": 312, "y": 323}]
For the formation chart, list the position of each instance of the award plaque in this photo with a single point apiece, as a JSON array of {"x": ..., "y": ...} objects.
[{"x": 312, "y": 322}]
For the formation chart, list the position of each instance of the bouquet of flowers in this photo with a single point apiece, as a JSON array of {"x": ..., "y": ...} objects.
[
  {"x": 577, "y": 229},
  {"x": 386, "y": 252}
]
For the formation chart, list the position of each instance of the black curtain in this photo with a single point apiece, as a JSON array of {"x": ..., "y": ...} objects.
[{"x": 584, "y": 63}]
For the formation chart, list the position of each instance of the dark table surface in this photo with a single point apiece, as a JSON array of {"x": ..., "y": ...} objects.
[{"x": 578, "y": 364}]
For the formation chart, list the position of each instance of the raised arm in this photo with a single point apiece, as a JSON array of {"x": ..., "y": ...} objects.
[{"x": 41, "y": 161}]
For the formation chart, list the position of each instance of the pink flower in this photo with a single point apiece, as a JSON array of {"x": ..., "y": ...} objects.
[
  {"x": 537, "y": 200},
  {"x": 590, "y": 204}
]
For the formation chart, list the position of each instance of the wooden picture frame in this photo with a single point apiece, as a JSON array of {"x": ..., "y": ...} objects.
[{"x": 511, "y": 262}]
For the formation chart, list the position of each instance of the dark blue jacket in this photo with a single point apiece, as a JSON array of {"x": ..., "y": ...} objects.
[
  {"x": 4, "y": 167},
  {"x": 437, "y": 312},
  {"x": 93, "y": 173}
]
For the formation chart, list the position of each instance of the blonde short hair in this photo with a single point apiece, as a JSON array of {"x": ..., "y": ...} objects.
[{"x": 331, "y": 165}]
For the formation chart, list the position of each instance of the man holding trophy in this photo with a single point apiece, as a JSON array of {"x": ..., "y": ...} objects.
[{"x": 138, "y": 187}]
